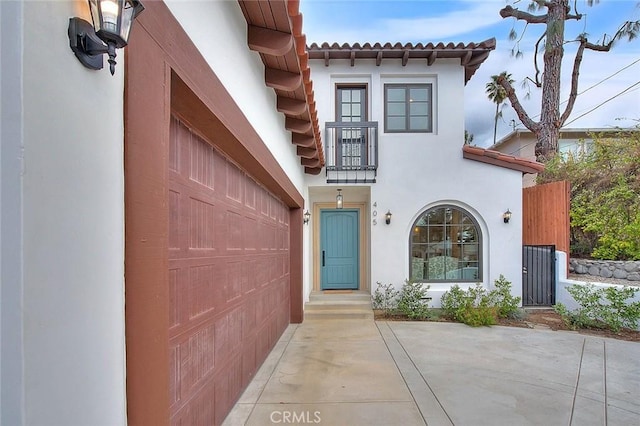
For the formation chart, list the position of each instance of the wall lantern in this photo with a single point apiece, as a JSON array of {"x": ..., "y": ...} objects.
[
  {"x": 112, "y": 21},
  {"x": 339, "y": 199},
  {"x": 387, "y": 217},
  {"x": 506, "y": 216},
  {"x": 305, "y": 217}
]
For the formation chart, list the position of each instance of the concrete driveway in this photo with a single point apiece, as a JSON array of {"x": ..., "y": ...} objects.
[{"x": 361, "y": 372}]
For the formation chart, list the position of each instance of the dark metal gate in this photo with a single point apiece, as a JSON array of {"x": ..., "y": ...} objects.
[{"x": 538, "y": 275}]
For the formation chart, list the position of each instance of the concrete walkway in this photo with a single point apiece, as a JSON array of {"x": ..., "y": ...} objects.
[{"x": 361, "y": 372}]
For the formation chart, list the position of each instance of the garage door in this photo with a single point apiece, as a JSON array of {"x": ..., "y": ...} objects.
[{"x": 228, "y": 277}]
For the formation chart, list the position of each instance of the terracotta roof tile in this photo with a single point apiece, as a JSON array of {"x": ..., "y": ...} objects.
[
  {"x": 278, "y": 18},
  {"x": 501, "y": 160},
  {"x": 471, "y": 55}
]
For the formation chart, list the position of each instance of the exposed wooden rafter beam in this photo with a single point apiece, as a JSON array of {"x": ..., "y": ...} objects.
[
  {"x": 269, "y": 42},
  {"x": 464, "y": 61},
  {"x": 352, "y": 56},
  {"x": 307, "y": 152},
  {"x": 310, "y": 162},
  {"x": 313, "y": 170},
  {"x": 432, "y": 58},
  {"x": 297, "y": 126},
  {"x": 379, "y": 58},
  {"x": 282, "y": 80},
  {"x": 405, "y": 58},
  {"x": 303, "y": 140},
  {"x": 290, "y": 106}
]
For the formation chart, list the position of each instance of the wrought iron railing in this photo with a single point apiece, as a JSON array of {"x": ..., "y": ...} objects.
[{"x": 351, "y": 146}]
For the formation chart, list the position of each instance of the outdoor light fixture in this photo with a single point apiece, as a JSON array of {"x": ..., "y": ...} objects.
[
  {"x": 305, "y": 217},
  {"x": 112, "y": 21},
  {"x": 506, "y": 216},
  {"x": 339, "y": 199},
  {"x": 387, "y": 217}
]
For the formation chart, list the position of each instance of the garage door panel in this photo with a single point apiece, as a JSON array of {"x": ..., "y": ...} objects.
[{"x": 229, "y": 279}]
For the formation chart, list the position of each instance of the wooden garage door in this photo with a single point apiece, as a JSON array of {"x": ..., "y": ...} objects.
[{"x": 228, "y": 277}]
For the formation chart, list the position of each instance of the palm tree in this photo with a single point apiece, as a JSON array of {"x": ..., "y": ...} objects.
[{"x": 496, "y": 93}]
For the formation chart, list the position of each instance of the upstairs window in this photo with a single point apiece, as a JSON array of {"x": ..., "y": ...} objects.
[
  {"x": 407, "y": 108},
  {"x": 446, "y": 246}
]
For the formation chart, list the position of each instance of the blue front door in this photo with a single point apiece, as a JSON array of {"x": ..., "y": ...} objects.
[{"x": 339, "y": 246}]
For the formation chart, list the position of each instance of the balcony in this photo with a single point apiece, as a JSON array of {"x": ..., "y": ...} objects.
[{"x": 351, "y": 152}]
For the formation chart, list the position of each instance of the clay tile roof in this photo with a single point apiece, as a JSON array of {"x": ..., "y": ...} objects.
[
  {"x": 501, "y": 160},
  {"x": 471, "y": 55},
  {"x": 275, "y": 32}
]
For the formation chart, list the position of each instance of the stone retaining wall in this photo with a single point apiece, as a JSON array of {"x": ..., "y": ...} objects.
[{"x": 623, "y": 270}]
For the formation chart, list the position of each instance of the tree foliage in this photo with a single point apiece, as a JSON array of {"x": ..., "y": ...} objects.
[
  {"x": 497, "y": 94},
  {"x": 605, "y": 195},
  {"x": 553, "y": 14}
]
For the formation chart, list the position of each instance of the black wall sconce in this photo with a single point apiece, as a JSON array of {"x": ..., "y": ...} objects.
[
  {"x": 506, "y": 216},
  {"x": 112, "y": 21},
  {"x": 305, "y": 217},
  {"x": 339, "y": 199},
  {"x": 387, "y": 217}
]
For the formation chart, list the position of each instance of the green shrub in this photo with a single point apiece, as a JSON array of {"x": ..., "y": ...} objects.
[
  {"x": 411, "y": 301},
  {"x": 476, "y": 306},
  {"x": 507, "y": 304},
  {"x": 384, "y": 298},
  {"x": 472, "y": 307},
  {"x": 605, "y": 307}
]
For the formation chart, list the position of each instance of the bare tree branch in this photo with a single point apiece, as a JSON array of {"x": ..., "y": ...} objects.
[
  {"x": 598, "y": 47},
  {"x": 517, "y": 106},
  {"x": 577, "y": 17},
  {"x": 573, "y": 94},
  {"x": 509, "y": 11},
  {"x": 535, "y": 60}
]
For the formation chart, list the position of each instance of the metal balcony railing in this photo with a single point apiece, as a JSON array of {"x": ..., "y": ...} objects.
[{"x": 351, "y": 146}]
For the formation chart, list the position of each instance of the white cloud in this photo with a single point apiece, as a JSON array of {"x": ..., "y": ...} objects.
[
  {"x": 480, "y": 15},
  {"x": 445, "y": 27}
]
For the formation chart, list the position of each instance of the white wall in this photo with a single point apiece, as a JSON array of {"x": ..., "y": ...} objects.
[
  {"x": 11, "y": 263},
  {"x": 219, "y": 31},
  {"x": 419, "y": 171},
  {"x": 73, "y": 286}
]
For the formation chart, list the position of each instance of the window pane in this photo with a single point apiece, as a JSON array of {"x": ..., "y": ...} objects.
[
  {"x": 355, "y": 96},
  {"x": 418, "y": 94},
  {"x": 346, "y": 96},
  {"x": 419, "y": 234},
  {"x": 396, "y": 123},
  {"x": 436, "y": 233},
  {"x": 396, "y": 109},
  {"x": 419, "y": 108},
  {"x": 445, "y": 246},
  {"x": 419, "y": 123},
  {"x": 355, "y": 110},
  {"x": 396, "y": 94},
  {"x": 346, "y": 110}
]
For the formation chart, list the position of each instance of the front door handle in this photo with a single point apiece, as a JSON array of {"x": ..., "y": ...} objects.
[{"x": 323, "y": 258}]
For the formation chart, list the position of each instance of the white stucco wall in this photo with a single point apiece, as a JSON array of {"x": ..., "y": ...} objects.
[
  {"x": 219, "y": 31},
  {"x": 73, "y": 285},
  {"x": 419, "y": 171},
  {"x": 11, "y": 264}
]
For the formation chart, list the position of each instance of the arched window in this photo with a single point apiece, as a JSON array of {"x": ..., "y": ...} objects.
[{"x": 446, "y": 245}]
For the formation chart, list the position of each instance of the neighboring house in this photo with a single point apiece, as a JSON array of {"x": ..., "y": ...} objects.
[
  {"x": 153, "y": 244},
  {"x": 522, "y": 142}
]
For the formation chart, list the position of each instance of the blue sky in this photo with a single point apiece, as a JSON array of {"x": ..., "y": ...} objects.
[{"x": 473, "y": 20}]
